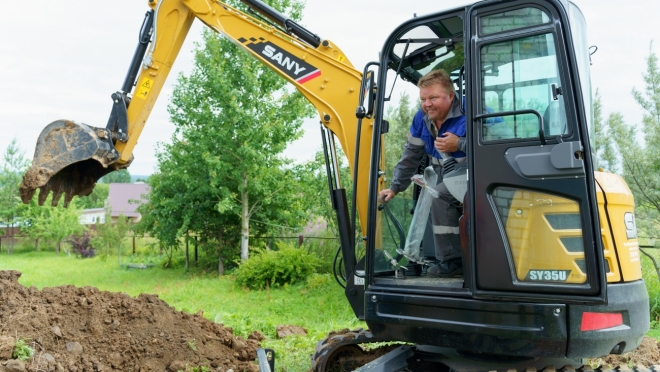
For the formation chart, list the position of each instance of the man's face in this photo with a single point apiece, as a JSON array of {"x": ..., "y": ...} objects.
[{"x": 435, "y": 101}]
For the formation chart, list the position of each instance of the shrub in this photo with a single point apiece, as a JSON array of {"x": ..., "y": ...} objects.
[
  {"x": 323, "y": 249},
  {"x": 81, "y": 245},
  {"x": 650, "y": 275},
  {"x": 275, "y": 268}
]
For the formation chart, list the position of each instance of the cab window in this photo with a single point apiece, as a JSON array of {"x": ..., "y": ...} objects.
[{"x": 522, "y": 74}]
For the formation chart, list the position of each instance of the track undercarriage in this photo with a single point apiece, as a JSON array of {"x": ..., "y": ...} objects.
[{"x": 345, "y": 351}]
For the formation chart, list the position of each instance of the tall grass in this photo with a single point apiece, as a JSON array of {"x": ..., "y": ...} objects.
[
  {"x": 318, "y": 305},
  {"x": 650, "y": 276}
]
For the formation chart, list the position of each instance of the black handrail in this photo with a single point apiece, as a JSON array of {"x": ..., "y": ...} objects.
[{"x": 518, "y": 112}]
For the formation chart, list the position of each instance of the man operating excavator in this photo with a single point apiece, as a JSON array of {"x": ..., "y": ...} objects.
[{"x": 437, "y": 130}]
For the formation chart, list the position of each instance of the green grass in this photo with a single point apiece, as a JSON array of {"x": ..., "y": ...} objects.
[
  {"x": 319, "y": 306},
  {"x": 653, "y": 287}
]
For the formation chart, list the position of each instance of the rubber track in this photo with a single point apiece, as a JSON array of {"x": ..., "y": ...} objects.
[{"x": 326, "y": 347}]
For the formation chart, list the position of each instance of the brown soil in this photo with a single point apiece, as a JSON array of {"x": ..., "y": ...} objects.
[
  {"x": 34, "y": 178},
  {"x": 84, "y": 329},
  {"x": 647, "y": 354}
]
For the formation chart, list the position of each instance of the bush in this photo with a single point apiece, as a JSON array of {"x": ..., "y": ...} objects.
[
  {"x": 324, "y": 250},
  {"x": 81, "y": 245},
  {"x": 275, "y": 268},
  {"x": 650, "y": 275}
]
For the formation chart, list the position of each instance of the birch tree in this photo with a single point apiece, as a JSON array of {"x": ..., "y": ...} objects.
[{"x": 237, "y": 117}]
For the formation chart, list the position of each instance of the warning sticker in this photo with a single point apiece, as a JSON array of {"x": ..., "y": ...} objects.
[{"x": 144, "y": 88}]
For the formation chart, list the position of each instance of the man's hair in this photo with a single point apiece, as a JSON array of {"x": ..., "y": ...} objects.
[{"x": 437, "y": 77}]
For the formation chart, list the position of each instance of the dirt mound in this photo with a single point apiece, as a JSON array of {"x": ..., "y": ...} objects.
[
  {"x": 84, "y": 329},
  {"x": 647, "y": 354}
]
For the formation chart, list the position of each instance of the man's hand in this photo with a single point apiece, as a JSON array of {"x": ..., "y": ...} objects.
[
  {"x": 447, "y": 142},
  {"x": 385, "y": 195}
]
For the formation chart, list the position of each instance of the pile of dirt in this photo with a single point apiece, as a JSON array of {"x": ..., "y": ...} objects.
[
  {"x": 84, "y": 329},
  {"x": 647, "y": 354}
]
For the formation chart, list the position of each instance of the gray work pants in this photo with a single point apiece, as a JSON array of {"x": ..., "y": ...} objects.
[{"x": 444, "y": 218}]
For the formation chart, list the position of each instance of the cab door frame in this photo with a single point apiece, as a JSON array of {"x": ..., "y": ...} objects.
[{"x": 490, "y": 269}]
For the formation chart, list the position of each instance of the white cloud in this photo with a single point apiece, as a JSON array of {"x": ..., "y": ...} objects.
[{"x": 64, "y": 59}]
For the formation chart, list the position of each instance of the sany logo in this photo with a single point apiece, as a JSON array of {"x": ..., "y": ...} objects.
[
  {"x": 292, "y": 66},
  {"x": 269, "y": 52}
]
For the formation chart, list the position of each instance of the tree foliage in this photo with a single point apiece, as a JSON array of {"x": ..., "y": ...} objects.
[
  {"x": 119, "y": 176},
  {"x": 12, "y": 167},
  {"x": 111, "y": 234},
  {"x": 234, "y": 117},
  {"x": 183, "y": 200},
  {"x": 313, "y": 179},
  {"x": 640, "y": 159},
  {"x": 97, "y": 198},
  {"x": 52, "y": 223},
  {"x": 400, "y": 118},
  {"x": 604, "y": 155}
]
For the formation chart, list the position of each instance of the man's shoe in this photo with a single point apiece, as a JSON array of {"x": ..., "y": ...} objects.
[{"x": 446, "y": 269}]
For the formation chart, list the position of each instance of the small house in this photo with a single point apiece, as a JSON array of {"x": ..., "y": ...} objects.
[{"x": 124, "y": 198}]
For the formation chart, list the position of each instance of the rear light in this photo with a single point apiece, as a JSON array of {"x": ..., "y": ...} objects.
[{"x": 596, "y": 321}]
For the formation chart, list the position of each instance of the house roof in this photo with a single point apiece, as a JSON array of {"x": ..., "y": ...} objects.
[
  {"x": 124, "y": 198},
  {"x": 93, "y": 211}
]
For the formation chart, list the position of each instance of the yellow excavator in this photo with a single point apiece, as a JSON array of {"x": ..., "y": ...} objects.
[{"x": 552, "y": 270}]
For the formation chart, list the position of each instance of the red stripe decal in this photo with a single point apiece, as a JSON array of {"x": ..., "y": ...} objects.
[{"x": 309, "y": 77}]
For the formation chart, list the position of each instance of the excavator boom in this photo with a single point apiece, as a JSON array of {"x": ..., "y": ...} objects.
[{"x": 70, "y": 157}]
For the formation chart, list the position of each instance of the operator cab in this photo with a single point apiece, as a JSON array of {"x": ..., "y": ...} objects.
[
  {"x": 533, "y": 259},
  {"x": 528, "y": 204}
]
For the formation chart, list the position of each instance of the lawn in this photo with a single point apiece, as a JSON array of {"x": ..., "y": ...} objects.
[{"x": 319, "y": 306}]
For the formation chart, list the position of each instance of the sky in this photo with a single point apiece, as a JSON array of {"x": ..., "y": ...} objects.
[{"x": 63, "y": 59}]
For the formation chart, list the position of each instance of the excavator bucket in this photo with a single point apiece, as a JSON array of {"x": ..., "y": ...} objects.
[{"x": 69, "y": 158}]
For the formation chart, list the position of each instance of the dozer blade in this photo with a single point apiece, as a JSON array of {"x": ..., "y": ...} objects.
[{"x": 69, "y": 159}]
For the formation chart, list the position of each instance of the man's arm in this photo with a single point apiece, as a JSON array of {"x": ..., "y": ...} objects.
[
  {"x": 462, "y": 144},
  {"x": 412, "y": 156}
]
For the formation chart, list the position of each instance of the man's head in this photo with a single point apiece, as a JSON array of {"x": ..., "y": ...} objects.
[{"x": 436, "y": 92}]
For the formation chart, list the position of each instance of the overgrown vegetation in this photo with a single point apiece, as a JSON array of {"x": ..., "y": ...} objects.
[
  {"x": 276, "y": 268},
  {"x": 12, "y": 164},
  {"x": 110, "y": 235},
  {"x": 653, "y": 287}
]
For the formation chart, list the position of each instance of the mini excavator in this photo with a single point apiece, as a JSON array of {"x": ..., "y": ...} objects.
[{"x": 552, "y": 271}]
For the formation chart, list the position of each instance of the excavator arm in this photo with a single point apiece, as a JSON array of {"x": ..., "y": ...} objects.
[{"x": 70, "y": 157}]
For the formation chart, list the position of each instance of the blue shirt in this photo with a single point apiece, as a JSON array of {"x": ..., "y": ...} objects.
[{"x": 420, "y": 129}]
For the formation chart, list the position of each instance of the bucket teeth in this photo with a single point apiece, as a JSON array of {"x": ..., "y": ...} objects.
[{"x": 68, "y": 160}]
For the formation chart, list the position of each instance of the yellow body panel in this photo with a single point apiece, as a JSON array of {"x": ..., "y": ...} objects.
[
  {"x": 536, "y": 244},
  {"x": 544, "y": 234},
  {"x": 622, "y": 253}
]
